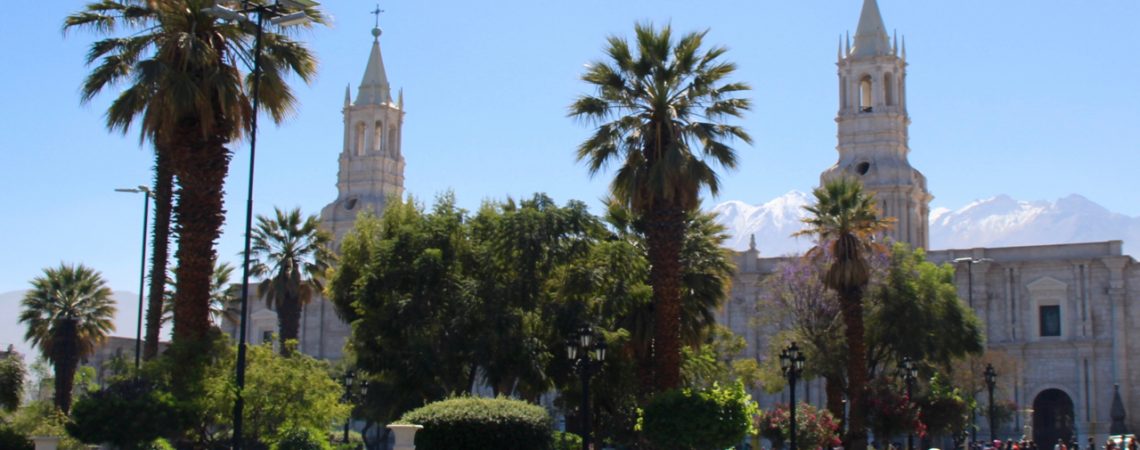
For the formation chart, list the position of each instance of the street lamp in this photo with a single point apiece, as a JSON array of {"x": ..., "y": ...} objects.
[
  {"x": 909, "y": 373},
  {"x": 280, "y": 13},
  {"x": 970, "y": 299},
  {"x": 586, "y": 352},
  {"x": 350, "y": 398},
  {"x": 142, "y": 271},
  {"x": 792, "y": 364},
  {"x": 991, "y": 380}
]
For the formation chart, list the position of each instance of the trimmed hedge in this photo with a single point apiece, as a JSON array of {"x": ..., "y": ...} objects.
[
  {"x": 684, "y": 419},
  {"x": 481, "y": 423},
  {"x": 567, "y": 441}
]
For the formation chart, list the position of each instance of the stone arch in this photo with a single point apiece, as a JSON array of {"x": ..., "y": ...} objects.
[
  {"x": 393, "y": 144},
  {"x": 358, "y": 139},
  {"x": 843, "y": 93},
  {"x": 866, "y": 94},
  {"x": 889, "y": 89},
  {"x": 1054, "y": 417},
  {"x": 378, "y": 136}
]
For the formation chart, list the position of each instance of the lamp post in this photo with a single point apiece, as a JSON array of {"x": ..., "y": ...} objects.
[
  {"x": 909, "y": 373},
  {"x": 792, "y": 364},
  {"x": 350, "y": 397},
  {"x": 142, "y": 271},
  {"x": 586, "y": 352},
  {"x": 278, "y": 14},
  {"x": 970, "y": 299},
  {"x": 991, "y": 380}
]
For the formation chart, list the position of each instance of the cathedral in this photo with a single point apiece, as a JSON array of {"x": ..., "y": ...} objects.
[{"x": 1063, "y": 313}]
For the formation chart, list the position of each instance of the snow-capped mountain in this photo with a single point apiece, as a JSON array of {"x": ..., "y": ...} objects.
[{"x": 995, "y": 222}]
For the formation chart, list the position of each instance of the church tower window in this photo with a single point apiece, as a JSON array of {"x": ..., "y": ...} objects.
[
  {"x": 359, "y": 139},
  {"x": 377, "y": 137},
  {"x": 889, "y": 88},
  {"x": 866, "y": 100}
]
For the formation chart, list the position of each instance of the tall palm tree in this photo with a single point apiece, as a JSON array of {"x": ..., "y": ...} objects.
[
  {"x": 184, "y": 77},
  {"x": 293, "y": 254},
  {"x": 223, "y": 296},
  {"x": 660, "y": 110},
  {"x": 845, "y": 221},
  {"x": 68, "y": 311}
]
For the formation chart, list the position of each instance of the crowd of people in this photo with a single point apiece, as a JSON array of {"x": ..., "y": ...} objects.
[{"x": 1126, "y": 443}]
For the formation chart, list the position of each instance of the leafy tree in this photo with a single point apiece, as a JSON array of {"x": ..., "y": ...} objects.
[
  {"x": 844, "y": 220},
  {"x": 686, "y": 419},
  {"x": 12, "y": 374},
  {"x": 945, "y": 409},
  {"x": 293, "y": 254},
  {"x": 889, "y": 411},
  {"x": 68, "y": 311},
  {"x": 660, "y": 111},
  {"x": 915, "y": 312},
  {"x": 401, "y": 283},
  {"x": 128, "y": 414},
  {"x": 188, "y": 91},
  {"x": 712, "y": 363}
]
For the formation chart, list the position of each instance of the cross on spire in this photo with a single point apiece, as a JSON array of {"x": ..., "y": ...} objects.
[{"x": 376, "y": 13}]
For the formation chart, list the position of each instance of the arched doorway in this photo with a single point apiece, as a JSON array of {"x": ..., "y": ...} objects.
[{"x": 1052, "y": 418}]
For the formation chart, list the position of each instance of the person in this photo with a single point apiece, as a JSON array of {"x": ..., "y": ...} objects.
[
  {"x": 1060, "y": 445},
  {"x": 1109, "y": 444}
]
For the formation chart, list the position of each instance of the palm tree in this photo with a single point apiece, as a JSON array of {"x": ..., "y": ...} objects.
[
  {"x": 223, "y": 296},
  {"x": 660, "y": 113},
  {"x": 187, "y": 89},
  {"x": 845, "y": 221},
  {"x": 293, "y": 254},
  {"x": 68, "y": 311}
]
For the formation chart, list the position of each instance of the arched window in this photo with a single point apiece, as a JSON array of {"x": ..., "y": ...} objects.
[
  {"x": 865, "y": 97},
  {"x": 359, "y": 139},
  {"x": 377, "y": 137},
  {"x": 393, "y": 146},
  {"x": 889, "y": 88}
]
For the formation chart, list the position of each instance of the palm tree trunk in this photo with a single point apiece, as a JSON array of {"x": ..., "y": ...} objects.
[
  {"x": 851, "y": 300},
  {"x": 833, "y": 386},
  {"x": 288, "y": 322},
  {"x": 201, "y": 166},
  {"x": 665, "y": 234},
  {"x": 65, "y": 358},
  {"x": 163, "y": 187}
]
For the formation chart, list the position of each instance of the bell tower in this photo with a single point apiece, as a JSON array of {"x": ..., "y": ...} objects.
[
  {"x": 371, "y": 161},
  {"x": 873, "y": 123}
]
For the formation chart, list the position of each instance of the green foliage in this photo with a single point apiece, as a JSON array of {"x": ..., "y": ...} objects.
[
  {"x": 160, "y": 444},
  {"x": 889, "y": 412},
  {"x": 688, "y": 419},
  {"x": 916, "y": 313},
  {"x": 469, "y": 422},
  {"x": 815, "y": 428},
  {"x": 10, "y": 439},
  {"x": 711, "y": 363},
  {"x": 301, "y": 439},
  {"x": 41, "y": 418},
  {"x": 567, "y": 441},
  {"x": 128, "y": 414},
  {"x": 945, "y": 409},
  {"x": 280, "y": 392},
  {"x": 12, "y": 374}
]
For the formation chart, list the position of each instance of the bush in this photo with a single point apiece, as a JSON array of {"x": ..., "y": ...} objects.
[
  {"x": 815, "y": 428},
  {"x": 301, "y": 439},
  {"x": 567, "y": 441},
  {"x": 688, "y": 419},
  {"x": 12, "y": 439},
  {"x": 469, "y": 422},
  {"x": 128, "y": 414}
]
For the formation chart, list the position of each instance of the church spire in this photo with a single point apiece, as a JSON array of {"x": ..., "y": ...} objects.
[
  {"x": 374, "y": 88},
  {"x": 871, "y": 37}
]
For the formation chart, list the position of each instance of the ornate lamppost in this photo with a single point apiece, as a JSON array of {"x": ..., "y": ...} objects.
[
  {"x": 991, "y": 380},
  {"x": 792, "y": 364},
  {"x": 586, "y": 352},
  {"x": 281, "y": 13},
  {"x": 350, "y": 397},
  {"x": 909, "y": 374}
]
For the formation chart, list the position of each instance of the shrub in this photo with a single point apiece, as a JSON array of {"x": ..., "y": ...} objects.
[
  {"x": 815, "y": 428},
  {"x": 128, "y": 414},
  {"x": 12, "y": 439},
  {"x": 469, "y": 422},
  {"x": 686, "y": 419},
  {"x": 567, "y": 441},
  {"x": 301, "y": 439}
]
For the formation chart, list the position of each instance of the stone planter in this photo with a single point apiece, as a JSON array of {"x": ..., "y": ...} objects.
[
  {"x": 405, "y": 436},
  {"x": 46, "y": 442}
]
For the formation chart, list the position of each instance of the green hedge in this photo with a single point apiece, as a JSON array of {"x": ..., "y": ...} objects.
[
  {"x": 567, "y": 441},
  {"x": 478, "y": 423},
  {"x": 710, "y": 419}
]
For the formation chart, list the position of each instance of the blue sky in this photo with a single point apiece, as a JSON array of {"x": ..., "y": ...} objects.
[{"x": 1037, "y": 99}]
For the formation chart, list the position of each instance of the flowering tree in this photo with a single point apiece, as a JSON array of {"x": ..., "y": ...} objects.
[
  {"x": 815, "y": 428},
  {"x": 890, "y": 412}
]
